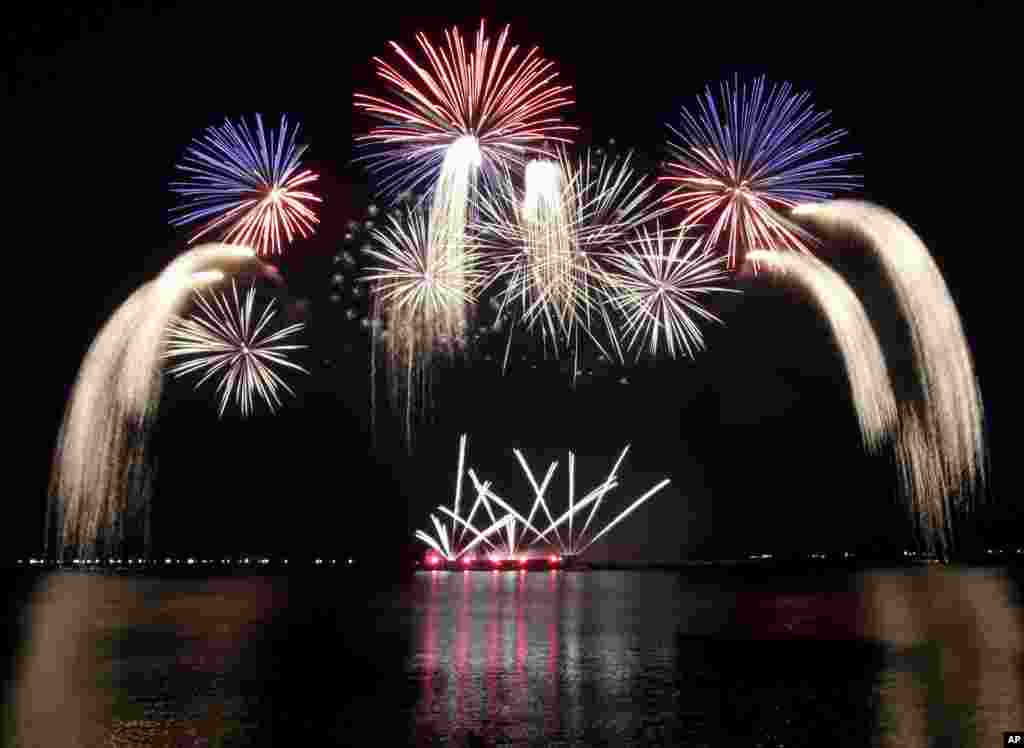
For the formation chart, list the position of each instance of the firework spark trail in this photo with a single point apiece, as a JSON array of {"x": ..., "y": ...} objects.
[
  {"x": 578, "y": 506},
  {"x": 510, "y": 511},
  {"x": 424, "y": 537},
  {"x": 447, "y": 546},
  {"x": 572, "y": 495},
  {"x": 508, "y": 106},
  {"x": 449, "y": 217},
  {"x": 100, "y": 463},
  {"x": 576, "y": 544},
  {"x": 941, "y": 441},
  {"x": 467, "y": 524},
  {"x": 458, "y": 483},
  {"x": 419, "y": 295},
  {"x": 483, "y": 536},
  {"x": 623, "y": 514},
  {"x": 225, "y": 339},
  {"x": 657, "y": 285},
  {"x": 481, "y": 500},
  {"x": 452, "y": 549},
  {"x": 755, "y": 149},
  {"x": 866, "y": 369},
  {"x": 539, "y": 490},
  {"x": 246, "y": 187},
  {"x": 547, "y": 243},
  {"x": 608, "y": 481}
]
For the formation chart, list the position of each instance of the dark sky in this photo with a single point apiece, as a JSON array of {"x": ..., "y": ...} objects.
[{"x": 758, "y": 434}]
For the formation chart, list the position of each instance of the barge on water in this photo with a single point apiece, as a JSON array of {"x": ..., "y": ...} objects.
[{"x": 551, "y": 562}]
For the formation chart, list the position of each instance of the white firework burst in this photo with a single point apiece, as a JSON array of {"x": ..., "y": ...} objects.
[
  {"x": 545, "y": 242},
  {"x": 227, "y": 338},
  {"x": 420, "y": 289},
  {"x": 416, "y": 277},
  {"x": 659, "y": 285}
]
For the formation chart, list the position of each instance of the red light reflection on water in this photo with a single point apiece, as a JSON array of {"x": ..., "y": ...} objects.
[
  {"x": 552, "y": 716},
  {"x": 463, "y": 640},
  {"x": 485, "y": 667},
  {"x": 427, "y": 710},
  {"x": 493, "y": 665}
]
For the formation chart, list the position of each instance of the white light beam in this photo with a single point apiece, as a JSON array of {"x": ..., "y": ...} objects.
[
  {"x": 627, "y": 512},
  {"x": 611, "y": 477}
]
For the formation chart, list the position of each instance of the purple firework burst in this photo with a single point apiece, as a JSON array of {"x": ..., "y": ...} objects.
[
  {"x": 755, "y": 150},
  {"x": 246, "y": 186}
]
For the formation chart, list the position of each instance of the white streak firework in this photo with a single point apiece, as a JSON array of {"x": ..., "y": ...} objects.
[
  {"x": 100, "y": 465},
  {"x": 226, "y": 339},
  {"x": 419, "y": 292},
  {"x": 658, "y": 284},
  {"x": 940, "y": 445},
  {"x": 866, "y": 369},
  {"x": 451, "y": 548},
  {"x": 546, "y": 242}
]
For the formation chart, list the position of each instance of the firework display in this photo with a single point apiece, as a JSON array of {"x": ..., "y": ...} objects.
[
  {"x": 862, "y": 354},
  {"x": 657, "y": 285},
  {"x": 348, "y": 292},
  {"x": 498, "y": 105},
  {"x": 419, "y": 296},
  {"x": 545, "y": 244},
  {"x": 940, "y": 439},
  {"x": 488, "y": 220},
  {"x": 226, "y": 338},
  {"x": 246, "y": 187},
  {"x": 741, "y": 158},
  {"x": 100, "y": 472},
  {"x": 503, "y": 538},
  {"x": 467, "y": 110}
]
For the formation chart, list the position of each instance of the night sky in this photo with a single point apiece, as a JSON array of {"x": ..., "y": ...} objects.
[{"x": 757, "y": 435}]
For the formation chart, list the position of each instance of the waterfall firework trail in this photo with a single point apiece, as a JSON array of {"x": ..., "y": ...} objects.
[
  {"x": 246, "y": 188},
  {"x": 866, "y": 369},
  {"x": 546, "y": 242},
  {"x": 225, "y": 339},
  {"x": 657, "y": 285},
  {"x": 940, "y": 444},
  {"x": 100, "y": 458},
  {"x": 449, "y": 215},
  {"x": 755, "y": 150}
]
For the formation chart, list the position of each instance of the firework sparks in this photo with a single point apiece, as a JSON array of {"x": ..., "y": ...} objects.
[
  {"x": 247, "y": 187},
  {"x": 754, "y": 151},
  {"x": 504, "y": 103},
  {"x": 465, "y": 110},
  {"x": 546, "y": 243},
  {"x": 420, "y": 291},
  {"x": 657, "y": 287},
  {"x": 225, "y": 339},
  {"x": 862, "y": 354},
  {"x": 940, "y": 444},
  {"x": 416, "y": 279},
  {"x": 101, "y": 478},
  {"x": 450, "y": 547}
]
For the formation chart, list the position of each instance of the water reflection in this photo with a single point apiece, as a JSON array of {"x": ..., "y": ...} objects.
[
  {"x": 955, "y": 661},
  {"x": 562, "y": 658},
  {"x": 529, "y": 658},
  {"x": 712, "y": 657},
  {"x": 132, "y": 661}
]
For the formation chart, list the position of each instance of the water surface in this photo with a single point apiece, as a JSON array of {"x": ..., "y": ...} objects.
[{"x": 919, "y": 656}]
